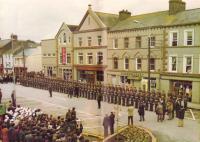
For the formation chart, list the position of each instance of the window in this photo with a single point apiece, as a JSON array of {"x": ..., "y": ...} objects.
[
  {"x": 152, "y": 64},
  {"x": 100, "y": 76},
  {"x": 69, "y": 39},
  {"x": 138, "y": 42},
  {"x": 54, "y": 54},
  {"x": 126, "y": 63},
  {"x": 138, "y": 64},
  {"x": 187, "y": 64},
  {"x": 189, "y": 37},
  {"x": 89, "y": 58},
  {"x": 80, "y": 58},
  {"x": 99, "y": 58},
  {"x": 99, "y": 40},
  {"x": 80, "y": 41},
  {"x": 49, "y": 54},
  {"x": 124, "y": 79},
  {"x": 60, "y": 40},
  {"x": 61, "y": 58},
  {"x": 68, "y": 58},
  {"x": 44, "y": 54},
  {"x": 172, "y": 63},
  {"x": 152, "y": 41},
  {"x": 89, "y": 41},
  {"x": 115, "y": 43},
  {"x": 126, "y": 42},
  {"x": 173, "y": 38},
  {"x": 64, "y": 38},
  {"x": 115, "y": 63}
]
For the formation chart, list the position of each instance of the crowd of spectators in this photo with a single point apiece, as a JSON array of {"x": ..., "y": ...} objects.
[{"x": 22, "y": 124}]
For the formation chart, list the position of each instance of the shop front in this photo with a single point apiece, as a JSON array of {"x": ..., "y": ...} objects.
[
  {"x": 90, "y": 74},
  {"x": 184, "y": 83}
]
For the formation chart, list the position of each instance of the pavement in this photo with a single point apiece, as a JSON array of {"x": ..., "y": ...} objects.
[{"x": 91, "y": 117}]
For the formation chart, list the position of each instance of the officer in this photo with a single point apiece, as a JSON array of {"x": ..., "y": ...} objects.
[
  {"x": 151, "y": 102},
  {"x": 99, "y": 99},
  {"x": 50, "y": 90}
]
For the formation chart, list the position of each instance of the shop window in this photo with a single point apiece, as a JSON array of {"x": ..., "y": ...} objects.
[
  {"x": 100, "y": 76},
  {"x": 124, "y": 79}
]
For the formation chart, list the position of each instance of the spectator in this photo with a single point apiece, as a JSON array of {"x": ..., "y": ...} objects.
[
  {"x": 130, "y": 115},
  {"x": 112, "y": 122},
  {"x": 106, "y": 125},
  {"x": 141, "y": 111}
]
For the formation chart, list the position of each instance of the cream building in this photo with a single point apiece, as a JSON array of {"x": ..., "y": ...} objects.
[
  {"x": 64, "y": 43},
  {"x": 90, "y": 46},
  {"x": 49, "y": 59}
]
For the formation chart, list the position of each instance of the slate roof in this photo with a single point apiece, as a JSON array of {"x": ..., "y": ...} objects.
[
  {"x": 4, "y": 42},
  {"x": 161, "y": 18},
  {"x": 107, "y": 18}
]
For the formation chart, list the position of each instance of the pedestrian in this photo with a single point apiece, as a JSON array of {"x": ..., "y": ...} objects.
[
  {"x": 106, "y": 125},
  {"x": 130, "y": 114},
  {"x": 99, "y": 99},
  {"x": 13, "y": 98},
  {"x": 181, "y": 116},
  {"x": 0, "y": 95},
  {"x": 141, "y": 111},
  {"x": 50, "y": 91},
  {"x": 159, "y": 112},
  {"x": 112, "y": 122}
]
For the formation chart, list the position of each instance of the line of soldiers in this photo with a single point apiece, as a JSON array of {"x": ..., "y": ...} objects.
[{"x": 110, "y": 94}]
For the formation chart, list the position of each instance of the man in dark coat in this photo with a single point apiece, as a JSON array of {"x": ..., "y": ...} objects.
[
  {"x": 106, "y": 122},
  {"x": 112, "y": 122},
  {"x": 99, "y": 99},
  {"x": 13, "y": 97},
  {"x": 50, "y": 91},
  {"x": 141, "y": 111}
]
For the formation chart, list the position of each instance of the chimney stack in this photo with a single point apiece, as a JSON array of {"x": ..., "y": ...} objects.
[
  {"x": 124, "y": 14},
  {"x": 176, "y": 6},
  {"x": 14, "y": 37}
]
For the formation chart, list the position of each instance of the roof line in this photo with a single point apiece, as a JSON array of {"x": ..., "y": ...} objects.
[{"x": 105, "y": 13}]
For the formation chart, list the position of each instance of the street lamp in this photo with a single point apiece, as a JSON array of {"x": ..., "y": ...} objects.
[
  {"x": 13, "y": 68},
  {"x": 149, "y": 54}
]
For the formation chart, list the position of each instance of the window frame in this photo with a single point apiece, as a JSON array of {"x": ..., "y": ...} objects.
[
  {"x": 185, "y": 64},
  {"x": 89, "y": 41},
  {"x": 68, "y": 55},
  {"x": 99, "y": 40},
  {"x": 151, "y": 41},
  {"x": 125, "y": 63},
  {"x": 115, "y": 42},
  {"x": 137, "y": 64},
  {"x": 126, "y": 42},
  {"x": 151, "y": 64},
  {"x": 80, "y": 54},
  {"x": 171, "y": 38},
  {"x": 186, "y": 37},
  {"x": 97, "y": 59},
  {"x": 88, "y": 58},
  {"x": 80, "y": 41},
  {"x": 117, "y": 65},
  {"x": 170, "y": 65},
  {"x": 138, "y": 42}
]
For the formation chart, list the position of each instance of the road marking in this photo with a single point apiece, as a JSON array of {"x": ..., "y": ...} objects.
[{"x": 192, "y": 114}]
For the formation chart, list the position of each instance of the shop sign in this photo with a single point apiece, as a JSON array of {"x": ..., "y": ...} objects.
[{"x": 130, "y": 75}]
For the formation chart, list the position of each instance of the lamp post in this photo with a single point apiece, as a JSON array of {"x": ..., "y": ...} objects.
[
  {"x": 148, "y": 56},
  {"x": 13, "y": 67}
]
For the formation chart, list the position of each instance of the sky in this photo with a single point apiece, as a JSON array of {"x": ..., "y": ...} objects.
[{"x": 41, "y": 19}]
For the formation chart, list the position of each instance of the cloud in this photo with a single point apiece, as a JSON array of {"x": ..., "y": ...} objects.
[{"x": 40, "y": 19}]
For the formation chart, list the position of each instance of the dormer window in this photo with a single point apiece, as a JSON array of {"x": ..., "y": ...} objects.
[{"x": 64, "y": 38}]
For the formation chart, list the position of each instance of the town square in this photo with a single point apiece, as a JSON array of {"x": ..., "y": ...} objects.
[{"x": 100, "y": 71}]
